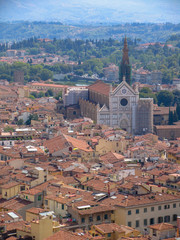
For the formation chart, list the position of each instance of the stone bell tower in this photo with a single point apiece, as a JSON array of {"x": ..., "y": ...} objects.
[{"x": 125, "y": 67}]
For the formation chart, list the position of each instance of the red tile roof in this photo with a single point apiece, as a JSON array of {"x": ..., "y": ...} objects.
[
  {"x": 9, "y": 185},
  {"x": 56, "y": 144},
  {"x": 123, "y": 201},
  {"x": 100, "y": 87},
  {"x": 80, "y": 144},
  {"x": 13, "y": 204},
  {"x": 109, "y": 228},
  {"x": 162, "y": 226},
  {"x": 63, "y": 234},
  {"x": 163, "y": 110},
  {"x": 36, "y": 210}
]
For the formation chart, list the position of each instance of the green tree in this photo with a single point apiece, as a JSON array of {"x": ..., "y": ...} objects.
[
  {"x": 8, "y": 129},
  {"x": 35, "y": 70},
  {"x": 34, "y": 94},
  {"x": 178, "y": 110},
  {"x": 41, "y": 94},
  {"x": 66, "y": 78},
  {"x": 175, "y": 116},
  {"x": 176, "y": 94},
  {"x": 46, "y": 74},
  {"x": 171, "y": 117},
  {"x": 31, "y": 96},
  {"x": 24, "y": 67},
  {"x": 34, "y": 51},
  {"x": 31, "y": 117},
  {"x": 147, "y": 93},
  {"x": 145, "y": 90},
  {"x": 50, "y": 48},
  {"x": 165, "y": 97},
  {"x": 6, "y": 76},
  {"x": 59, "y": 95},
  {"x": 35, "y": 117},
  {"x": 20, "y": 122},
  {"x": 95, "y": 65},
  {"x": 79, "y": 72},
  {"x": 49, "y": 93}
]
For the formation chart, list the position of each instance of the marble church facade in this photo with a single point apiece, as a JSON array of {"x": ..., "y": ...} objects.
[{"x": 124, "y": 109}]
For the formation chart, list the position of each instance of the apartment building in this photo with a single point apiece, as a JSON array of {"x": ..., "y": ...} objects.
[{"x": 141, "y": 211}]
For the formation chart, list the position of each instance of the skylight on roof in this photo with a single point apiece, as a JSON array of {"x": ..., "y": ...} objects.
[{"x": 13, "y": 215}]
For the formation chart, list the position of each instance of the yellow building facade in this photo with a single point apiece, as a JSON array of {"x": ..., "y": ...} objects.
[{"x": 39, "y": 229}]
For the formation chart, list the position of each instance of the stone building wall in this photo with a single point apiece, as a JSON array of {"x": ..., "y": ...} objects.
[
  {"x": 96, "y": 97},
  {"x": 88, "y": 109},
  {"x": 19, "y": 77},
  {"x": 144, "y": 116}
]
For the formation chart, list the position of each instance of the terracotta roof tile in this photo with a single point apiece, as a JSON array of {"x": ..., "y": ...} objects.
[
  {"x": 123, "y": 201},
  {"x": 162, "y": 226},
  {"x": 63, "y": 234},
  {"x": 80, "y": 144},
  {"x": 35, "y": 210},
  {"x": 100, "y": 87},
  {"x": 109, "y": 228},
  {"x": 56, "y": 144},
  {"x": 13, "y": 204}
]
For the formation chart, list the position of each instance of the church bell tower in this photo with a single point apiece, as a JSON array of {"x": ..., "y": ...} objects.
[{"x": 125, "y": 67}]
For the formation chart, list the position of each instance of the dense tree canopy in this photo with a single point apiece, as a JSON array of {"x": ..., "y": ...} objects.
[
  {"x": 92, "y": 56},
  {"x": 147, "y": 93},
  {"x": 165, "y": 98}
]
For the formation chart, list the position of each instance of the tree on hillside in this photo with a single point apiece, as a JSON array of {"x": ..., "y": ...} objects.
[
  {"x": 46, "y": 74},
  {"x": 40, "y": 94},
  {"x": 145, "y": 90},
  {"x": 165, "y": 97},
  {"x": 49, "y": 93},
  {"x": 176, "y": 94},
  {"x": 147, "y": 93},
  {"x": 59, "y": 95},
  {"x": 35, "y": 70}
]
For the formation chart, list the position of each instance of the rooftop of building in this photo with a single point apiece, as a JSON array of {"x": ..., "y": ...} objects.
[
  {"x": 100, "y": 87},
  {"x": 162, "y": 226},
  {"x": 137, "y": 201}
]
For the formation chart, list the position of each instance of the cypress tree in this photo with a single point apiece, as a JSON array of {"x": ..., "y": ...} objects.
[
  {"x": 171, "y": 117},
  {"x": 178, "y": 110},
  {"x": 175, "y": 116}
]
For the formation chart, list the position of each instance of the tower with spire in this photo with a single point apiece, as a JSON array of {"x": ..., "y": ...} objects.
[{"x": 125, "y": 67}]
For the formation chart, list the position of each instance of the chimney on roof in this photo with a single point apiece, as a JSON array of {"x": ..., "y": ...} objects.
[{"x": 110, "y": 88}]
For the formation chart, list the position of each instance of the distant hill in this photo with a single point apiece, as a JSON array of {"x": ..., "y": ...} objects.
[
  {"x": 146, "y": 32},
  {"x": 94, "y": 11}
]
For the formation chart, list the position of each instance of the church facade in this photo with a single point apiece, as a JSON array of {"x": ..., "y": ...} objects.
[
  {"x": 124, "y": 109},
  {"x": 119, "y": 107}
]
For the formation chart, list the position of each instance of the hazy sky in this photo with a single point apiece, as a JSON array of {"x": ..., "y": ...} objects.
[{"x": 115, "y": 10}]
